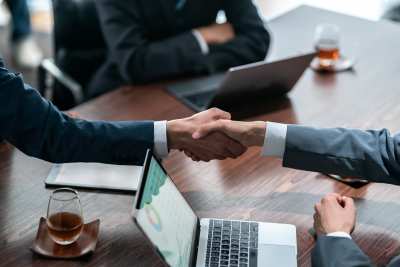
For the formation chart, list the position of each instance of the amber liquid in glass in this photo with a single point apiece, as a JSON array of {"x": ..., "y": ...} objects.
[
  {"x": 328, "y": 54},
  {"x": 65, "y": 227}
]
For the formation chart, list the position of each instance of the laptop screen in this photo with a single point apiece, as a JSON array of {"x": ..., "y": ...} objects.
[{"x": 165, "y": 217}]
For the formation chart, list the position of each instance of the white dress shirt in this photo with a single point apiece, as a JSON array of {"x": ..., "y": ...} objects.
[
  {"x": 274, "y": 146},
  {"x": 205, "y": 49},
  {"x": 160, "y": 139}
]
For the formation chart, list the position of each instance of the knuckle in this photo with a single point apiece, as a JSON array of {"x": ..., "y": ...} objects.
[
  {"x": 219, "y": 124},
  {"x": 215, "y": 110}
]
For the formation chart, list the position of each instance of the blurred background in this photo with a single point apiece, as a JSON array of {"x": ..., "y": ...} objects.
[{"x": 41, "y": 15}]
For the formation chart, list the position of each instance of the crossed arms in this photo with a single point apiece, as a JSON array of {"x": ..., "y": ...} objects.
[{"x": 138, "y": 54}]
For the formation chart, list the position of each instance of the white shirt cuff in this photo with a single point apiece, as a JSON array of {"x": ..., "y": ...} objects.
[
  {"x": 339, "y": 234},
  {"x": 202, "y": 43},
  {"x": 275, "y": 140},
  {"x": 160, "y": 139}
]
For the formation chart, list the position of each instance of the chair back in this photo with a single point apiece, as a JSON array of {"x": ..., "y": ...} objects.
[{"x": 79, "y": 46}]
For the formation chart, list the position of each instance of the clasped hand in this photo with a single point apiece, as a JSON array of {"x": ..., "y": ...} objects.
[
  {"x": 216, "y": 145},
  {"x": 212, "y": 134}
]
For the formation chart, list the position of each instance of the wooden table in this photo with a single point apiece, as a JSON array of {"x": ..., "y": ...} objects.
[{"x": 248, "y": 188}]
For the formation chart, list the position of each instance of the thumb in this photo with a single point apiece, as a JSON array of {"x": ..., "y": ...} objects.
[
  {"x": 206, "y": 129},
  {"x": 219, "y": 114},
  {"x": 348, "y": 203}
]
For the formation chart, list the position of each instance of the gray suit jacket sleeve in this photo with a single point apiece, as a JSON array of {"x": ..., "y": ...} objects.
[
  {"x": 338, "y": 251},
  {"x": 372, "y": 155}
]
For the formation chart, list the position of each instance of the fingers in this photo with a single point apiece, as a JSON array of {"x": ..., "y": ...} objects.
[
  {"x": 208, "y": 128},
  {"x": 218, "y": 114},
  {"x": 335, "y": 200},
  {"x": 333, "y": 196},
  {"x": 220, "y": 146},
  {"x": 317, "y": 207},
  {"x": 210, "y": 121},
  {"x": 332, "y": 199},
  {"x": 72, "y": 114},
  {"x": 215, "y": 146},
  {"x": 236, "y": 149},
  {"x": 191, "y": 155},
  {"x": 348, "y": 203}
]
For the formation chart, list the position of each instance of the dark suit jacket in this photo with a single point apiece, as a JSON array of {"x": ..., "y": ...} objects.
[
  {"x": 151, "y": 40},
  {"x": 372, "y": 155},
  {"x": 341, "y": 252},
  {"x": 36, "y": 127}
]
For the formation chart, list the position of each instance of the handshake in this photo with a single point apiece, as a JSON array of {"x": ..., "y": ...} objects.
[{"x": 212, "y": 134}]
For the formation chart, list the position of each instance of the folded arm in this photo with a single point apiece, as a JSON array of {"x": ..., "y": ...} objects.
[
  {"x": 138, "y": 57},
  {"x": 251, "y": 40}
]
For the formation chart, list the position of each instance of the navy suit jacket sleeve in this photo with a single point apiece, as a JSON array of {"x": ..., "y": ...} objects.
[
  {"x": 37, "y": 128},
  {"x": 251, "y": 42},
  {"x": 372, "y": 155}
]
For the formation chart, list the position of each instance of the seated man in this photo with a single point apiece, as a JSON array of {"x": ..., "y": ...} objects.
[
  {"x": 372, "y": 155},
  {"x": 36, "y": 127},
  {"x": 154, "y": 40}
]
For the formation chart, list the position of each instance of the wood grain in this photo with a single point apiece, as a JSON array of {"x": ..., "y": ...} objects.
[{"x": 248, "y": 188}]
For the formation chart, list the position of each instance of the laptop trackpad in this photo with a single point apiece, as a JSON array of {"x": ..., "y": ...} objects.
[
  {"x": 276, "y": 255},
  {"x": 277, "y": 234}
]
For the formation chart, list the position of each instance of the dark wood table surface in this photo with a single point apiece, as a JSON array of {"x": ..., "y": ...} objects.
[{"x": 248, "y": 188}]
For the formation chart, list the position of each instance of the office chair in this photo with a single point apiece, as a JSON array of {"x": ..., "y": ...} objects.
[{"x": 79, "y": 50}]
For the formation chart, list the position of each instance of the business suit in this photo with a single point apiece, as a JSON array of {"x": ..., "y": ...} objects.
[
  {"x": 37, "y": 128},
  {"x": 153, "y": 40},
  {"x": 339, "y": 251},
  {"x": 372, "y": 155}
]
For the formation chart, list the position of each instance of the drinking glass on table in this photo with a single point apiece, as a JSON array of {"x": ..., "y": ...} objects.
[
  {"x": 327, "y": 38},
  {"x": 64, "y": 216}
]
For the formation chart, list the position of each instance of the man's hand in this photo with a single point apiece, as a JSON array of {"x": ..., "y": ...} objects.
[
  {"x": 335, "y": 213},
  {"x": 214, "y": 146},
  {"x": 247, "y": 133},
  {"x": 217, "y": 33}
]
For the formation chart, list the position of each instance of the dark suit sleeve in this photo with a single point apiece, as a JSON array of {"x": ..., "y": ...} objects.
[
  {"x": 372, "y": 155},
  {"x": 338, "y": 252},
  {"x": 138, "y": 58},
  {"x": 38, "y": 129},
  {"x": 252, "y": 37}
]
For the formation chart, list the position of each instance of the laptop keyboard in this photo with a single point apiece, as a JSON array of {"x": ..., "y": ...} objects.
[{"x": 232, "y": 243}]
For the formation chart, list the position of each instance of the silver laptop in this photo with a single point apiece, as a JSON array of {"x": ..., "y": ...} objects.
[
  {"x": 182, "y": 239},
  {"x": 243, "y": 85}
]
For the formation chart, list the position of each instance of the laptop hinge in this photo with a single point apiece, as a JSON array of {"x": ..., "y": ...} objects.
[{"x": 195, "y": 244}]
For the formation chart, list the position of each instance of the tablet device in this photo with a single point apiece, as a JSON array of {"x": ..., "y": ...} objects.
[{"x": 95, "y": 176}]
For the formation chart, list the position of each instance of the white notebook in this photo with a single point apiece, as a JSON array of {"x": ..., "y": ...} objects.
[{"x": 95, "y": 176}]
